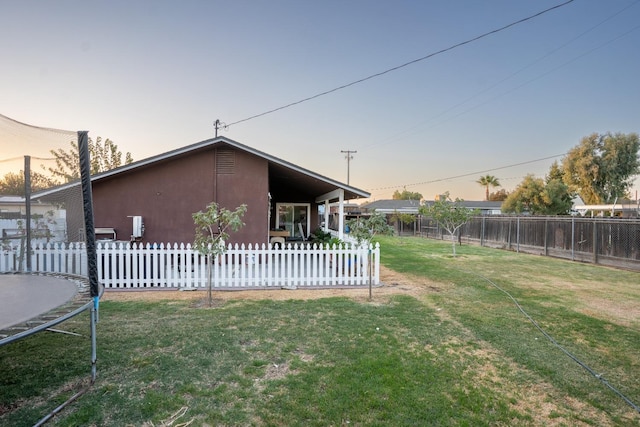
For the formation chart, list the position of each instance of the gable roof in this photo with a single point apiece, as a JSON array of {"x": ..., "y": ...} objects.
[
  {"x": 391, "y": 206},
  {"x": 279, "y": 170},
  {"x": 412, "y": 206}
]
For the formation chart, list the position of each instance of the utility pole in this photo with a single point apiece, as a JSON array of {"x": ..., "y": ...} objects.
[{"x": 348, "y": 157}]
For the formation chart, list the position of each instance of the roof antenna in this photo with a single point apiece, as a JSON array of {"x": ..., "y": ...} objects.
[{"x": 219, "y": 125}]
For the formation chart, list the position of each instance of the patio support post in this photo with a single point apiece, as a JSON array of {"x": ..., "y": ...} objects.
[{"x": 326, "y": 215}]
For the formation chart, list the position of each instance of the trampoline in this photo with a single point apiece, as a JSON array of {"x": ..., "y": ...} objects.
[{"x": 31, "y": 303}]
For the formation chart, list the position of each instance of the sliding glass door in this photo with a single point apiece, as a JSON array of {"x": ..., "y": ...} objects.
[{"x": 294, "y": 218}]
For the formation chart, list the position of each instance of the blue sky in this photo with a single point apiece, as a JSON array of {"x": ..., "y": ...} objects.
[{"x": 154, "y": 75}]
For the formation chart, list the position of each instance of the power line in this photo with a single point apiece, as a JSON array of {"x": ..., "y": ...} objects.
[
  {"x": 406, "y": 64},
  {"x": 467, "y": 174},
  {"x": 406, "y": 131}
]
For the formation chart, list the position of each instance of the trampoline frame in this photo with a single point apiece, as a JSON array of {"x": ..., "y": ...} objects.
[
  {"x": 94, "y": 288},
  {"x": 38, "y": 323}
]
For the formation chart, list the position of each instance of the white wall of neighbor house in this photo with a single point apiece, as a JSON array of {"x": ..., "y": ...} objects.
[{"x": 46, "y": 216}]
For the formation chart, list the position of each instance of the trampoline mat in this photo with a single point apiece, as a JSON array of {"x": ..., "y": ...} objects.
[{"x": 26, "y": 296}]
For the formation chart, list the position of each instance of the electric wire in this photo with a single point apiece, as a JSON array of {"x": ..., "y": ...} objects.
[
  {"x": 467, "y": 174},
  {"x": 406, "y": 64},
  {"x": 503, "y": 80},
  {"x": 582, "y": 364},
  {"x": 539, "y": 76}
]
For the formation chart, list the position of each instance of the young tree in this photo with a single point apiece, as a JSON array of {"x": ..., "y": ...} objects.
[
  {"x": 364, "y": 229},
  {"x": 451, "y": 215},
  {"x": 602, "y": 167},
  {"x": 104, "y": 156},
  {"x": 488, "y": 181},
  {"x": 212, "y": 232}
]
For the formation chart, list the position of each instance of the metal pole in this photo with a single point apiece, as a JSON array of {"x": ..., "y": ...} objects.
[
  {"x": 518, "y": 234},
  {"x": 94, "y": 355},
  {"x": 370, "y": 273},
  {"x": 573, "y": 238},
  {"x": 85, "y": 173},
  {"x": 27, "y": 201},
  {"x": 92, "y": 258}
]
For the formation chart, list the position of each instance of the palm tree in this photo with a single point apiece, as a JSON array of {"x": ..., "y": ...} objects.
[{"x": 486, "y": 181}]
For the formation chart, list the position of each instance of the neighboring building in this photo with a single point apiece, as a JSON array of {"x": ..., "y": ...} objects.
[
  {"x": 47, "y": 220},
  {"x": 623, "y": 209},
  {"x": 389, "y": 207},
  {"x": 153, "y": 200},
  {"x": 411, "y": 207},
  {"x": 483, "y": 206}
]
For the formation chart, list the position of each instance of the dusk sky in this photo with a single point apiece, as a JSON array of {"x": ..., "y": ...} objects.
[{"x": 153, "y": 76}]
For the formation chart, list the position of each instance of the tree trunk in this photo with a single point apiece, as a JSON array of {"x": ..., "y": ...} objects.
[
  {"x": 209, "y": 282},
  {"x": 453, "y": 242}
]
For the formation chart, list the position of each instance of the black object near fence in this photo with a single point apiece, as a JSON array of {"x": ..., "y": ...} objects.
[{"x": 613, "y": 242}]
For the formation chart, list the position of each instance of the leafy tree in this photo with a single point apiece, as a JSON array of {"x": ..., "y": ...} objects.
[
  {"x": 555, "y": 172},
  {"x": 406, "y": 195},
  {"x": 602, "y": 167},
  {"x": 537, "y": 197},
  {"x": 499, "y": 196},
  {"x": 449, "y": 214},
  {"x": 558, "y": 199},
  {"x": 12, "y": 184},
  {"x": 212, "y": 226},
  {"x": 402, "y": 218},
  {"x": 527, "y": 196},
  {"x": 488, "y": 181},
  {"x": 104, "y": 156},
  {"x": 364, "y": 229}
]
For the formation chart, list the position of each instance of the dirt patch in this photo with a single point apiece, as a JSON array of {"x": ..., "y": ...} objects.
[{"x": 392, "y": 284}]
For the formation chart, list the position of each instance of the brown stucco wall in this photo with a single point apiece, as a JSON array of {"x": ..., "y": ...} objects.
[
  {"x": 249, "y": 185},
  {"x": 167, "y": 193}
]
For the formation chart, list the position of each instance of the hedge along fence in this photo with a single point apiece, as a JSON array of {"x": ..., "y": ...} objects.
[
  {"x": 123, "y": 265},
  {"x": 613, "y": 242}
]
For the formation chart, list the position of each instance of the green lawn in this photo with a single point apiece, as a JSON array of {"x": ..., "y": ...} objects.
[{"x": 462, "y": 353}]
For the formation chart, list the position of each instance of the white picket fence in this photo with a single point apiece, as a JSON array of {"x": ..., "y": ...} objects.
[{"x": 122, "y": 265}]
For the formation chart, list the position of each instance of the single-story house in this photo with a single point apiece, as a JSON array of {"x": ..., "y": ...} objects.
[
  {"x": 48, "y": 221},
  {"x": 390, "y": 207},
  {"x": 397, "y": 207},
  {"x": 152, "y": 200},
  {"x": 623, "y": 208}
]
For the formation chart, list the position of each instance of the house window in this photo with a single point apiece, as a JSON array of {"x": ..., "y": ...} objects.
[{"x": 295, "y": 218}]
